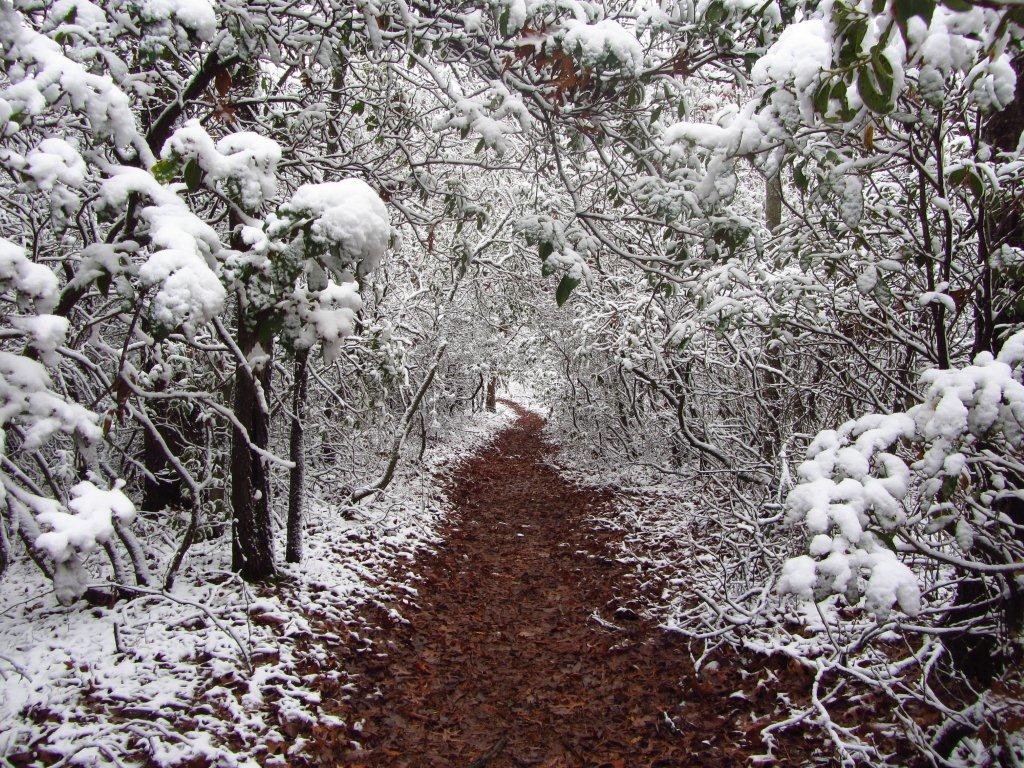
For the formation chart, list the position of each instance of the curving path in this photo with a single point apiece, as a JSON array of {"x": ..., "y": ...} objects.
[{"x": 518, "y": 651}]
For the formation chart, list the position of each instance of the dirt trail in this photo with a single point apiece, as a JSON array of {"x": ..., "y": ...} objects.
[{"x": 519, "y": 650}]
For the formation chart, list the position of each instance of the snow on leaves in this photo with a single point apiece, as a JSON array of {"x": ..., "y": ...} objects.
[
  {"x": 41, "y": 77},
  {"x": 855, "y": 491},
  {"x": 346, "y": 224},
  {"x": 181, "y": 264},
  {"x": 243, "y": 165},
  {"x": 605, "y": 43},
  {"x": 26, "y": 278}
]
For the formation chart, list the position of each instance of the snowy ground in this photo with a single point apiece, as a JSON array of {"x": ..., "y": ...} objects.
[{"x": 216, "y": 672}]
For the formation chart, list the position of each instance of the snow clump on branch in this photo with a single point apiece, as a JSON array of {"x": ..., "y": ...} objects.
[
  {"x": 854, "y": 489},
  {"x": 603, "y": 42},
  {"x": 346, "y": 219},
  {"x": 189, "y": 290},
  {"x": 244, "y": 163}
]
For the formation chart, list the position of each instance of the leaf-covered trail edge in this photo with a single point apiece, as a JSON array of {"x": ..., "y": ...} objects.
[{"x": 522, "y": 646}]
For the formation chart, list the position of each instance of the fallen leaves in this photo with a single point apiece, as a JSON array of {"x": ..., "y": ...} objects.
[{"x": 499, "y": 663}]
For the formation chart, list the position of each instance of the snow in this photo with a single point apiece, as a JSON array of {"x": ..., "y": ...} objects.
[
  {"x": 45, "y": 332},
  {"x": 473, "y": 21},
  {"x": 742, "y": 133},
  {"x": 86, "y": 14},
  {"x": 25, "y": 276},
  {"x": 244, "y": 163},
  {"x": 88, "y": 524},
  {"x": 938, "y": 297},
  {"x": 189, "y": 291},
  {"x": 941, "y": 45},
  {"x": 853, "y": 483},
  {"x": 349, "y": 220},
  {"x": 602, "y": 42},
  {"x": 53, "y": 161},
  {"x": 26, "y": 398},
  {"x": 851, "y": 208},
  {"x": 335, "y": 315},
  {"x": 797, "y": 58},
  {"x": 517, "y": 10},
  {"x": 49, "y": 76},
  {"x": 891, "y": 582},
  {"x": 798, "y": 576},
  {"x": 471, "y": 116},
  {"x": 994, "y": 83},
  {"x": 197, "y": 16},
  {"x": 167, "y": 671}
]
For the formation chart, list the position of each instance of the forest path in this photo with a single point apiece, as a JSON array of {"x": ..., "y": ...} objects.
[{"x": 515, "y": 653}]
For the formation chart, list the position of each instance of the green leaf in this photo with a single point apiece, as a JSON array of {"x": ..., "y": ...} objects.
[
  {"x": 545, "y": 249},
  {"x": 871, "y": 95},
  {"x": 904, "y": 10},
  {"x": 565, "y": 287},
  {"x": 358, "y": 107},
  {"x": 839, "y": 92},
  {"x": 800, "y": 178},
  {"x": 821, "y": 96},
  {"x": 164, "y": 171},
  {"x": 103, "y": 283},
  {"x": 883, "y": 72},
  {"x": 968, "y": 177},
  {"x": 852, "y": 36},
  {"x": 547, "y": 269},
  {"x": 193, "y": 176}
]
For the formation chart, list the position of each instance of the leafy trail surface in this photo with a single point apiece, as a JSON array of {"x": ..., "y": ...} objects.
[{"x": 520, "y": 652}]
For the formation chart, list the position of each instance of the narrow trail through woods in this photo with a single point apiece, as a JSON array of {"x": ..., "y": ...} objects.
[{"x": 518, "y": 651}]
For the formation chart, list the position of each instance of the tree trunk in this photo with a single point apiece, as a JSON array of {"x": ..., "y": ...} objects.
[
  {"x": 252, "y": 545},
  {"x": 5, "y": 545},
  {"x": 773, "y": 201},
  {"x": 770, "y": 390},
  {"x": 491, "y": 399},
  {"x": 162, "y": 488},
  {"x": 296, "y": 452}
]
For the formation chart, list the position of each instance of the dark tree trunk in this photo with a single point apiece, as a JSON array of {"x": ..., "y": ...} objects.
[
  {"x": 162, "y": 487},
  {"x": 159, "y": 490},
  {"x": 252, "y": 545},
  {"x": 5, "y": 546},
  {"x": 296, "y": 452}
]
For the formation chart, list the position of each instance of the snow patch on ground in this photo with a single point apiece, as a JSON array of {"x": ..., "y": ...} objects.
[{"x": 216, "y": 672}]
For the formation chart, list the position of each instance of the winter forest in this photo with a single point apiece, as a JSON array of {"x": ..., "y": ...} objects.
[{"x": 545, "y": 383}]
